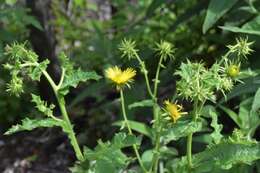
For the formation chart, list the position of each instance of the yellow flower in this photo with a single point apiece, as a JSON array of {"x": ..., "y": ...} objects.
[
  {"x": 174, "y": 110},
  {"x": 233, "y": 70},
  {"x": 120, "y": 77}
]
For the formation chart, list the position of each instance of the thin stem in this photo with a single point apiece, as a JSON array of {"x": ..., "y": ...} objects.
[
  {"x": 156, "y": 82},
  {"x": 130, "y": 130},
  {"x": 144, "y": 70},
  {"x": 65, "y": 116},
  {"x": 62, "y": 77},
  {"x": 155, "y": 159},
  {"x": 196, "y": 110},
  {"x": 71, "y": 133}
]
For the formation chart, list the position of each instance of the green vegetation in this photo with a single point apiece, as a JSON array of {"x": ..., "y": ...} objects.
[{"x": 171, "y": 86}]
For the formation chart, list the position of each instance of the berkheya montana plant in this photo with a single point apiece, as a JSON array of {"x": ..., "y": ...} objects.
[{"x": 170, "y": 123}]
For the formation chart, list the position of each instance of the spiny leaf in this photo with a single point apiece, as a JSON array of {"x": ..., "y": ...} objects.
[
  {"x": 143, "y": 103},
  {"x": 221, "y": 156},
  {"x": 108, "y": 156},
  {"x": 36, "y": 72},
  {"x": 73, "y": 79},
  {"x": 30, "y": 124},
  {"x": 216, "y": 135},
  {"x": 181, "y": 129},
  {"x": 42, "y": 105}
]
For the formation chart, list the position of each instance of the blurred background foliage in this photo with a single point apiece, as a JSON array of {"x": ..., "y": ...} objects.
[{"x": 89, "y": 32}]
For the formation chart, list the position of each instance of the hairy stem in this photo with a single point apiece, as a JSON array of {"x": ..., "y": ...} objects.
[{"x": 130, "y": 130}]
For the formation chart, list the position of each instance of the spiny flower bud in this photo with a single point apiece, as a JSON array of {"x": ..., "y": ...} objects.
[
  {"x": 15, "y": 86},
  {"x": 165, "y": 49},
  {"x": 242, "y": 47},
  {"x": 128, "y": 48}
]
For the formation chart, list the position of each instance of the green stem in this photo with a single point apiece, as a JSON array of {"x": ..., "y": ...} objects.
[
  {"x": 71, "y": 133},
  {"x": 130, "y": 130},
  {"x": 144, "y": 70},
  {"x": 155, "y": 160},
  {"x": 196, "y": 111},
  {"x": 156, "y": 82},
  {"x": 65, "y": 116}
]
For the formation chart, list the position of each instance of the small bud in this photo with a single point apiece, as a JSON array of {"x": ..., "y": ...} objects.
[
  {"x": 242, "y": 47},
  {"x": 15, "y": 86},
  {"x": 233, "y": 70},
  {"x": 165, "y": 49},
  {"x": 128, "y": 48}
]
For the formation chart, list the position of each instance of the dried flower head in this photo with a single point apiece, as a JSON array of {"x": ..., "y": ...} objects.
[
  {"x": 120, "y": 77},
  {"x": 174, "y": 110}
]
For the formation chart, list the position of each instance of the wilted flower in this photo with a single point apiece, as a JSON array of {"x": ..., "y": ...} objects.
[
  {"x": 174, "y": 110},
  {"x": 120, "y": 77}
]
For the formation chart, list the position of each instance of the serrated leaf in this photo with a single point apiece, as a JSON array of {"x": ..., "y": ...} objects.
[
  {"x": 73, "y": 79},
  {"x": 30, "y": 124},
  {"x": 222, "y": 156},
  {"x": 216, "y": 135},
  {"x": 42, "y": 106},
  {"x": 137, "y": 126},
  {"x": 181, "y": 129},
  {"x": 216, "y": 9},
  {"x": 143, "y": 103},
  {"x": 108, "y": 156},
  {"x": 36, "y": 72}
]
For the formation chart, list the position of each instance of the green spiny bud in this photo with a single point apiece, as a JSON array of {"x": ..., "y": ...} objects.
[
  {"x": 165, "y": 49},
  {"x": 128, "y": 48},
  {"x": 242, "y": 47}
]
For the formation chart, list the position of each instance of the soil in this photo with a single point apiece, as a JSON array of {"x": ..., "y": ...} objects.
[{"x": 40, "y": 151}]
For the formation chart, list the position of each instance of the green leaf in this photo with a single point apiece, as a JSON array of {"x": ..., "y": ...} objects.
[
  {"x": 249, "y": 85},
  {"x": 222, "y": 156},
  {"x": 73, "y": 79},
  {"x": 143, "y": 103},
  {"x": 216, "y": 9},
  {"x": 108, "y": 157},
  {"x": 30, "y": 124},
  {"x": 137, "y": 126},
  {"x": 36, "y": 72},
  {"x": 216, "y": 135},
  {"x": 252, "y": 27},
  {"x": 254, "y": 113},
  {"x": 42, "y": 105},
  {"x": 234, "y": 116},
  {"x": 121, "y": 140},
  {"x": 181, "y": 129}
]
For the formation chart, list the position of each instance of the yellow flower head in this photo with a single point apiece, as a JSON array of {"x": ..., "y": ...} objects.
[
  {"x": 120, "y": 77},
  {"x": 233, "y": 70},
  {"x": 174, "y": 110}
]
